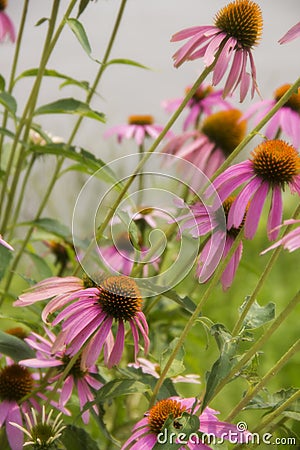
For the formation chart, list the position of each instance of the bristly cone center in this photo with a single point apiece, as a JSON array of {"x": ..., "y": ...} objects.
[
  {"x": 15, "y": 382},
  {"x": 160, "y": 412},
  {"x": 225, "y": 129},
  {"x": 242, "y": 20},
  {"x": 276, "y": 162},
  {"x": 120, "y": 297},
  {"x": 294, "y": 100}
]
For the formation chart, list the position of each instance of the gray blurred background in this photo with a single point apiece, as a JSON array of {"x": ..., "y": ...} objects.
[{"x": 144, "y": 36}]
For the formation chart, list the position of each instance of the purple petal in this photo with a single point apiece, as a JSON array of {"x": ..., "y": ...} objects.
[
  {"x": 238, "y": 207},
  {"x": 94, "y": 347},
  {"x": 116, "y": 353},
  {"x": 14, "y": 435},
  {"x": 255, "y": 209},
  {"x": 230, "y": 270},
  {"x": 275, "y": 215},
  {"x": 292, "y": 34}
]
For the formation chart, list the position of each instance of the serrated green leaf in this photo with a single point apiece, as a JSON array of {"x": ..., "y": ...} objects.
[
  {"x": 257, "y": 315},
  {"x": 9, "y": 102},
  {"x": 222, "y": 366},
  {"x": 5, "y": 257},
  {"x": 80, "y": 33},
  {"x": 41, "y": 265},
  {"x": 273, "y": 401},
  {"x": 70, "y": 106},
  {"x": 118, "y": 387},
  {"x": 177, "y": 366},
  {"x": 14, "y": 347},
  {"x": 128, "y": 62},
  {"x": 76, "y": 438}
]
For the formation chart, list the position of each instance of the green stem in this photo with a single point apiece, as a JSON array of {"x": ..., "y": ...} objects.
[
  {"x": 72, "y": 136},
  {"x": 269, "y": 375},
  {"x": 28, "y": 115},
  {"x": 258, "y": 127},
  {"x": 260, "y": 343},
  {"x": 141, "y": 179},
  {"x": 147, "y": 155},
  {"x": 9, "y": 90},
  {"x": 213, "y": 282},
  {"x": 262, "y": 279}
]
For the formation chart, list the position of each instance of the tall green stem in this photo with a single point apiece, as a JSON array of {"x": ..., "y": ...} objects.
[
  {"x": 259, "y": 343},
  {"x": 268, "y": 376},
  {"x": 212, "y": 284},
  {"x": 72, "y": 136},
  {"x": 26, "y": 119},
  {"x": 261, "y": 280},
  {"x": 9, "y": 90}
]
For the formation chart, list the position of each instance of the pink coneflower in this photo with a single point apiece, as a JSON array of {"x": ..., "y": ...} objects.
[
  {"x": 202, "y": 102},
  {"x": 148, "y": 431},
  {"x": 121, "y": 256},
  {"x": 212, "y": 221},
  {"x": 81, "y": 377},
  {"x": 208, "y": 148},
  {"x": 291, "y": 241},
  {"x": 286, "y": 119},
  {"x": 274, "y": 165},
  {"x": 292, "y": 34},
  {"x": 5, "y": 244},
  {"x": 91, "y": 317},
  {"x": 61, "y": 288},
  {"x": 238, "y": 28},
  {"x": 16, "y": 382},
  {"x": 154, "y": 369},
  {"x": 7, "y": 28},
  {"x": 139, "y": 127}
]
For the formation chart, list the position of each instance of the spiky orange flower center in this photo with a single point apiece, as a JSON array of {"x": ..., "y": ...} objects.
[
  {"x": 276, "y": 161},
  {"x": 225, "y": 129},
  {"x": 140, "y": 120},
  {"x": 159, "y": 413},
  {"x": 294, "y": 100},
  {"x": 200, "y": 93},
  {"x": 15, "y": 382},
  {"x": 3, "y": 5},
  {"x": 242, "y": 20},
  {"x": 120, "y": 297}
]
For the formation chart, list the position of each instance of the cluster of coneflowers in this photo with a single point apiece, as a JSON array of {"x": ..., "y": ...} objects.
[{"x": 86, "y": 321}]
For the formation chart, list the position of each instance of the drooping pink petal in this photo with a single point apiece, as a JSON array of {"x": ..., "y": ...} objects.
[
  {"x": 94, "y": 347},
  {"x": 292, "y": 34},
  {"x": 275, "y": 214},
  {"x": 15, "y": 436},
  {"x": 66, "y": 390},
  {"x": 6, "y": 28},
  {"x": 116, "y": 353},
  {"x": 223, "y": 60},
  {"x": 230, "y": 270},
  {"x": 238, "y": 207},
  {"x": 255, "y": 209}
]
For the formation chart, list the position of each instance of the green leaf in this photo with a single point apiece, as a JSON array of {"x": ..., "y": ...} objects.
[
  {"x": 273, "y": 401},
  {"x": 258, "y": 315},
  {"x": 222, "y": 366},
  {"x": 76, "y": 438},
  {"x": 82, "y": 5},
  {"x": 40, "y": 21},
  {"x": 53, "y": 73},
  {"x": 53, "y": 226},
  {"x": 2, "y": 83},
  {"x": 177, "y": 366},
  {"x": 88, "y": 162},
  {"x": 5, "y": 257},
  {"x": 184, "y": 302},
  {"x": 41, "y": 265},
  {"x": 9, "y": 102},
  {"x": 128, "y": 62},
  {"x": 118, "y": 387},
  {"x": 70, "y": 106},
  {"x": 7, "y": 132},
  {"x": 14, "y": 347},
  {"x": 80, "y": 33}
]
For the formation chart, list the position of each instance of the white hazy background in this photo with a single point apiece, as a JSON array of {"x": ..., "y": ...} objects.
[{"x": 144, "y": 36}]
